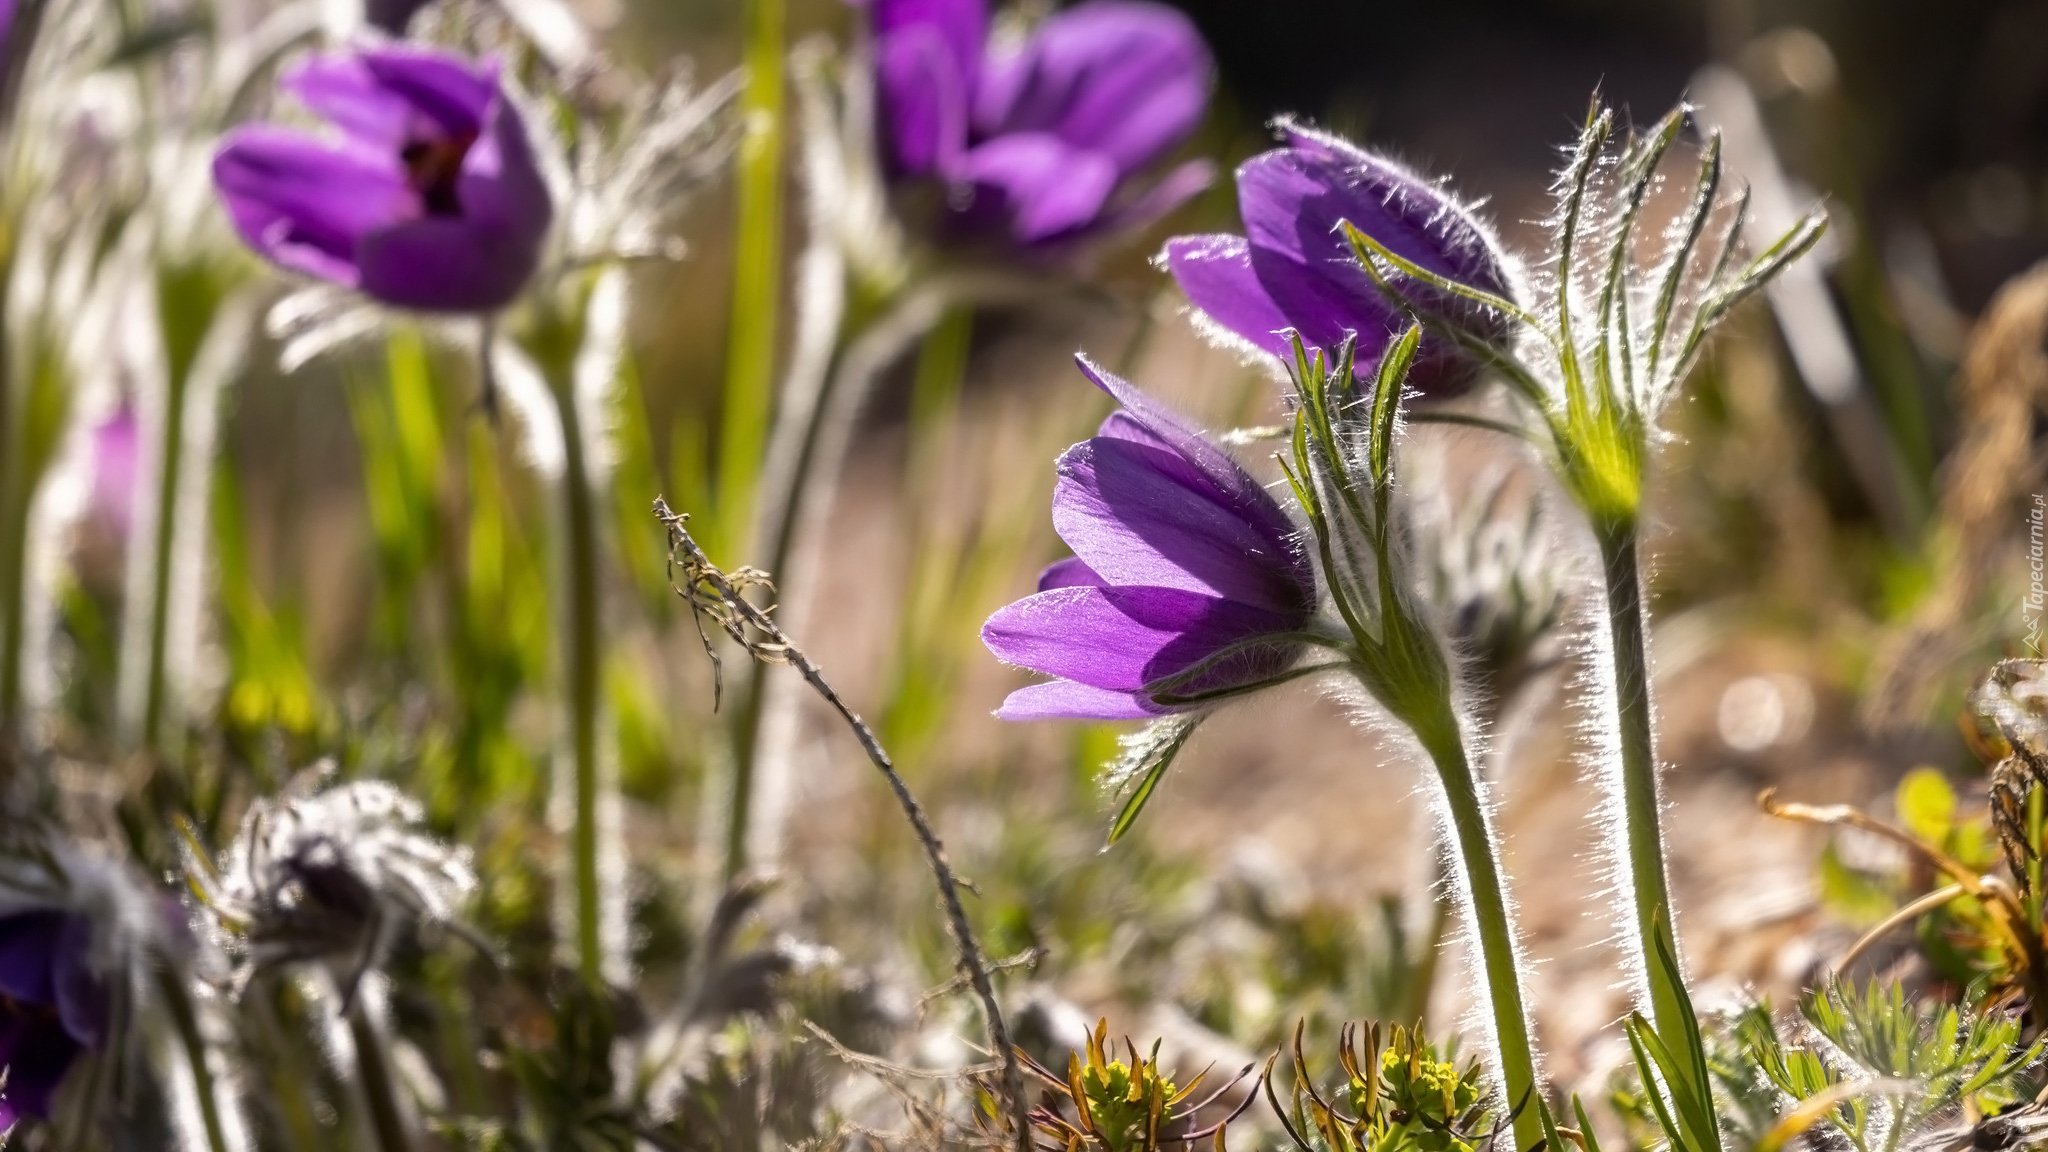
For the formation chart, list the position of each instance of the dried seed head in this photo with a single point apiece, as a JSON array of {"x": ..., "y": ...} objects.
[
  {"x": 2014, "y": 700},
  {"x": 329, "y": 877}
]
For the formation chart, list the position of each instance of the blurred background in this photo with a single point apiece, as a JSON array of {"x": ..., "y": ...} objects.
[{"x": 1287, "y": 864}]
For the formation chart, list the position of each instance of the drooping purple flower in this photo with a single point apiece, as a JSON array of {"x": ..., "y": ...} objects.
[
  {"x": 1294, "y": 267},
  {"x": 1179, "y": 555},
  {"x": 426, "y": 196},
  {"x": 1042, "y": 140},
  {"x": 53, "y": 1007}
]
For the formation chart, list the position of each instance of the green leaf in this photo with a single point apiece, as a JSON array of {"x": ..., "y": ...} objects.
[
  {"x": 1927, "y": 805},
  {"x": 1856, "y": 898},
  {"x": 1147, "y": 754}
]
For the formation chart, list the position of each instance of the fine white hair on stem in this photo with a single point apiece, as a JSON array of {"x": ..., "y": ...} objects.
[
  {"x": 1397, "y": 741},
  {"x": 1592, "y": 687},
  {"x": 188, "y": 1116},
  {"x": 597, "y": 367},
  {"x": 614, "y": 928},
  {"x": 176, "y": 671},
  {"x": 525, "y": 393}
]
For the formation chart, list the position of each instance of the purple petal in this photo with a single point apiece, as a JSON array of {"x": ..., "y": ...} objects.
[
  {"x": 1227, "y": 481},
  {"x": 1127, "y": 79},
  {"x": 1068, "y": 573},
  {"x": 446, "y": 264},
  {"x": 1121, "y": 638},
  {"x": 500, "y": 184},
  {"x": 1176, "y": 188},
  {"x": 1215, "y": 271},
  {"x": 958, "y": 27},
  {"x": 1066, "y": 700},
  {"x": 389, "y": 96},
  {"x": 28, "y": 947},
  {"x": 82, "y": 1002},
  {"x": 1044, "y": 186},
  {"x": 1141, "y": 516},
  {"x": 1292, "y": 200},
  {"x": 304, "y": 204},
  {"x": 39, "y": 1052},
  {"x": 1291, "y": 208},
  {"x": 924, "y": 93},
  {"x": 1404, "y": 211}
]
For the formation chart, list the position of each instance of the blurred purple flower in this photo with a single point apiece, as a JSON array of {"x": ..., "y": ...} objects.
[
  {"x": 1294, "y": 268},
  {"x": 1178, "y": 555},
  {"x": 1042, "y": 140},
  {"x": 53, "y": 1007},
  {"x": 428, "y": 197},
  {"x": 116, "y": 466}
]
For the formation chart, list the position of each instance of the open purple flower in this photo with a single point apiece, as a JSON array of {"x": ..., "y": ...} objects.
[
  {"x": 1294, "y": 268},
  {"x": 426, "y": 196},
  {"x": 1042, "y": 140},
  {"x": 53, "y": 1006},
  {"x": 1180, "y": 558}
]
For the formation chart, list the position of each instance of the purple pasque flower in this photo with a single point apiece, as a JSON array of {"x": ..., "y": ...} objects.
[
  {"x": 1042, "y": 139},
  {"x": 1294, "y": 267},
  {"x": 1179, "y": 557},
  {"x": 425, "y": 196},
  {"x": 54, "y": 1007}
]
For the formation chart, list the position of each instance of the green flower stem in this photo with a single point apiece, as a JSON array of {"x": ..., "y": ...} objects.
[
  {"x": 1640, "y": 800},
  {"x": 186, "y": 1020},
  {"x": 378, "y": 1092},
  {"x": 580, "y": 641},
  {"x": 756, "y": 281},
  {"x": 805, "y": 462},
  {"x": 1472, "y": 829},
  {"x": 170, "y": 460}
]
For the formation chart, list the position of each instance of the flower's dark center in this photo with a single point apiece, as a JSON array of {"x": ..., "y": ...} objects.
[{"x": 432, "y": 167}]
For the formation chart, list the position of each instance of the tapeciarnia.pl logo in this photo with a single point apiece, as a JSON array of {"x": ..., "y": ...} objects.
[{"x": 2037, "y": 563}]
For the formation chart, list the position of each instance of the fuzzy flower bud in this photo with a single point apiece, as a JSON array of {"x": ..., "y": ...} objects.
[
  {"x": 329, "y": 878},
  {"x": 1295, "y": 268}
]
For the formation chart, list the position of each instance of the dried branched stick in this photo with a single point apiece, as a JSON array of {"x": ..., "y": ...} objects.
[{"x": 719, "y": 597}]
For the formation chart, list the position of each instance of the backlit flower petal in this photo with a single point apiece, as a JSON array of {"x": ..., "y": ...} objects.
[
  {"x": 305, "y": 204},
  {"x": 1121, "y": 638},
  {"x": 1066, "y": 700},
  {"x": 1227, "y": 480},
  {"x": 959, "y": 27},
  {"x": 1139, "y": 515},
  {"x": 1215, "y": 272},
  {"x": 1123, "y": 78},
  {"x": 1069, "y": 573},
  {"x": 924, "y": 93},
  {"x": 1043, "y": 186}
]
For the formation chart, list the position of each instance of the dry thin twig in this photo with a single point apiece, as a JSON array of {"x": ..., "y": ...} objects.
[{"x": 716, "y": 596}]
